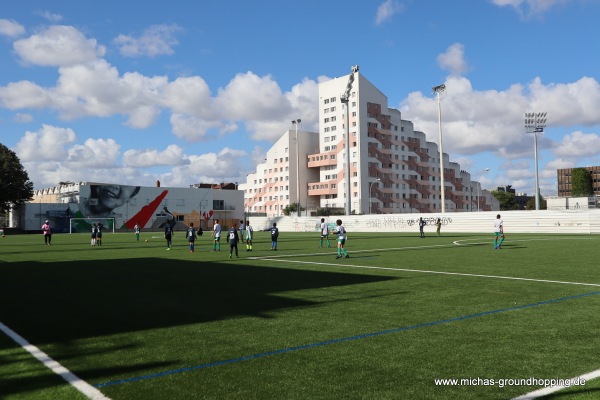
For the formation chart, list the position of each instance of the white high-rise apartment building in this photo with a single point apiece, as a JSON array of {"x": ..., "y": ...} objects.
[
  {"x": 281, "y": 178},
  {"x": 393, "y": 168}
]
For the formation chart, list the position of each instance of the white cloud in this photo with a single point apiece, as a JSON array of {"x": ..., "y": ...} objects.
[
  {"x": 530, "y": 7},
  {"x": 11, "y": 28},
  {"x": 23, "y": 118},
  {"x": 578, "y": 144},
  {"x": 189, "y": 95},
  {"x": 58, "y": 45},
  {"x": 453, "y": 60},
  {"x": 24, "y": 94},
  {"x": 51, "y": 16},
  {"x": 155, "y": 41},
  {"x": 559, "y": 163},
  {"x": 248, "y": 96},
  {"x": 47, "y": 144},
  {"x": 387, "y": 10},
  {"x": 172, "y": 155},
  {"x": 210, "y": 167},
  {"x": 94, "y": 153},
  {"x": 190, "y": 128}
]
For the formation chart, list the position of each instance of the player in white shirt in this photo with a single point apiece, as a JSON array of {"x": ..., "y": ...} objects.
[
  {"x": 249, "y": 236},
  {"x": 498, "y": 232},
  {"x": 216, "y": 234},
  {"x": 324, "y": 233},
  {"x": 341, "y": 232}
]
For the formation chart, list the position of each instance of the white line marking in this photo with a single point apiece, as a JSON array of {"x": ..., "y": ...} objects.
[
  {"x": 432, "y": 246},
  {"x": 79, "y": 384},
  {"x": 552, "y": 389},
  {"x": 424, "y": 271},
  {"x": 456, "y": 243},
  {"x": 459, "y": 242}
]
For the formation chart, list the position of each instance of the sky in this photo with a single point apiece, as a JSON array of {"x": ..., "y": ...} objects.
[{"x": 195, "y": 91}]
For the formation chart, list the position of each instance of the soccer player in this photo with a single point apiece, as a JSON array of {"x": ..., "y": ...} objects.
[
  {"x": 498, "y": 232},
  {"x": 341, "y": 232},
  {"x": 233, "y": 239},
  {"x": 274, "y": 236},
  {"x": 99, "y": 234},
  {"x": 137, "y": 231},
  {"x": 191, "y": 236},
  {"x": 242, "y": 230},
  {"x": 421, "y": 226},
  {"x": 168, "y": 235},
  {"x": 216, "y": 234},
  {"x": 249, "y": 236},
  {"x": 47, "y": 231},
  {"x": 324, "y": 233},
  {"x": 94, "y": 234}
]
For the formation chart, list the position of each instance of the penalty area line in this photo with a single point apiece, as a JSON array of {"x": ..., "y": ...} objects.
[{"x": 82, "y": 386}]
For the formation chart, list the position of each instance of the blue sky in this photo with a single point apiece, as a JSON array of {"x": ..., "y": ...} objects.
[{"x": 198, "y": 91}]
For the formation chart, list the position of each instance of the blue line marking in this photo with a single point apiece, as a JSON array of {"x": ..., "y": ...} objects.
[{"x": 340, "y": 340}]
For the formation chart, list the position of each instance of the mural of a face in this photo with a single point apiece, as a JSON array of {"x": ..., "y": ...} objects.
[{"x": 108, "y": 197}]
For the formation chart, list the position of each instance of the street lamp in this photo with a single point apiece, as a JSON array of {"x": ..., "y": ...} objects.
[
  {"x": 535, "y": 123},
  {"x": 437, "y": 90},
  {"x": 371, "y": 187},
  {"x": 296, "y": 123},
  {"x": 345, "y": 99},
  {"x": 479, "y": 187}
]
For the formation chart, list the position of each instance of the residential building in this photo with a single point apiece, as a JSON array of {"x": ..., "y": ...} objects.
[
  {"x": 281, "y": 178},
  {"x": 393, "y": 168},
  {"x": 564, "y": 181}
]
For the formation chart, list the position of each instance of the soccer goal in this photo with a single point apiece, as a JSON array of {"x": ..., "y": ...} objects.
[{"x": 85, "y": 224}]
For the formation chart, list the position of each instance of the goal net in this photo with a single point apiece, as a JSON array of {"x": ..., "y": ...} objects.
[{"x": 78, "y": 225}]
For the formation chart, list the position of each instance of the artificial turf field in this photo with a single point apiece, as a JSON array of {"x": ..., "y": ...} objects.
[{"x": 134, "y": 321}]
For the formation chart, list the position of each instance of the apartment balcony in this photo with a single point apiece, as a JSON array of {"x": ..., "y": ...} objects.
[
  {"x": 322, "y": 159},
  {"x": 322, "y": 188}
]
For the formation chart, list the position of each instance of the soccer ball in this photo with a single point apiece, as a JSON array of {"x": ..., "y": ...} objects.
[{"x": 146, "y": 240}]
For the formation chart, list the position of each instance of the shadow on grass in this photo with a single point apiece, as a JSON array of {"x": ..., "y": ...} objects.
[
  {"x": 57, "y": 303},
  {"x": 61, "y": 302}
]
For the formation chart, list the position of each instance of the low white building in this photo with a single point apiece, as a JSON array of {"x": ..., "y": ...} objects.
[{"x": 75, "y": 206}]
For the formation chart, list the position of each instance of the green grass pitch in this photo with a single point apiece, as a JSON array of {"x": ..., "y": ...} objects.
[{"x": 136, "y": 321}]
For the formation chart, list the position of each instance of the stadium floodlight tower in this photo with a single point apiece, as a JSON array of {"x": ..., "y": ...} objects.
[
  {"x": 437, "y": 90},
  {"x": 535, "y": 123},
  {"x": 479, "y": 187},
  {"x": 345, "y": 98},
  {"x": 296, "y": 123}
]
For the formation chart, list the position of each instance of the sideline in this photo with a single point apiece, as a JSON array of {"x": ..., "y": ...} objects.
[{"x": 82, "y": 386}]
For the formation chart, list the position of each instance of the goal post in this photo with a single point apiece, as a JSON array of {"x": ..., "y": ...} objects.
[{"x": 84, "y": 224}]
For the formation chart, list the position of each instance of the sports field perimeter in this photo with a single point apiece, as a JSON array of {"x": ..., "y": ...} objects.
[{"x": 403, "y": 318}]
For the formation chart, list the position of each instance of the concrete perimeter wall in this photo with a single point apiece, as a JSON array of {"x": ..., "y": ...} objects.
[{"x": 543, "y": 221}]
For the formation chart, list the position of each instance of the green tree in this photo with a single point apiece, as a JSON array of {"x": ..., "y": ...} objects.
[
  {"x": 531, "y": 204},
  {"x": 287, "y": 210},
  {"x": 507, "y": 200},
  {"x": 581, "y": 183},
  {"x": 16, "y": 188}
]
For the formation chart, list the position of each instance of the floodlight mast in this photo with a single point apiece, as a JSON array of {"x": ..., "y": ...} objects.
[
  {"x": 296, "y": 123},
  {"x": 345, "y": 98},
  {"x": 437, "y": 90},
  {"x": 535, "y": 123}
]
